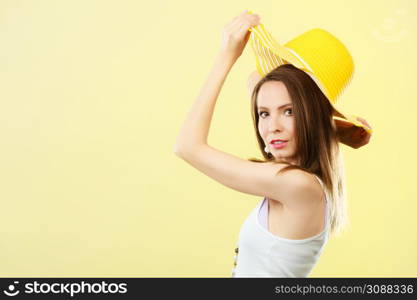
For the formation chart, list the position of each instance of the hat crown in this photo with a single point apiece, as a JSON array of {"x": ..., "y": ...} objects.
[
  {"x": 326, "y": 58},
  {"x": 317, "y": 52}
]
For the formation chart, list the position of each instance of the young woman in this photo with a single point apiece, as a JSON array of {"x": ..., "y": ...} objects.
[{"x": 301, "y": 178}]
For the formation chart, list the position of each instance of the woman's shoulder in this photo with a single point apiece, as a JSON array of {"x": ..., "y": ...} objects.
[
  {"x": 302, "y": 179},
  {"x": 300, "y": 186},
  {"x": 296, "y": 175}
]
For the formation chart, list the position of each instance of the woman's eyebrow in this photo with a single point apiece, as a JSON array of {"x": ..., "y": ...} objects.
[{"x": 262, "y": 107}]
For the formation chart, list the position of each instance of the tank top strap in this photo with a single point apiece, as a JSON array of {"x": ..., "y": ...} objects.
[
  {"x": 319, "y": 180},
  {"x": 327, "y": 205},
  {"x": 322, "y": 185}
]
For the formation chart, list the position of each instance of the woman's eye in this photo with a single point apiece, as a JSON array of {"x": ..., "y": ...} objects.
[
  {"x": 289, "y": 110},
  {"x": 260, "y": 114}
]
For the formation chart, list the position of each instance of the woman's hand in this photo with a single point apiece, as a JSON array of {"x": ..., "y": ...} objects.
[
  {"x": 353, "y": 136},
  {"x": 236, "y": 34}
]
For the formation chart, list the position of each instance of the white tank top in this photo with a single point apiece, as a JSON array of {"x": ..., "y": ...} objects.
[{"x": 260, "y": 253}]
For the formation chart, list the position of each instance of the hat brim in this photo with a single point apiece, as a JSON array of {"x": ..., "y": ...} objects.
[
  {"x": 348, "y": 120},
  {"x": 269, "y": 54}
]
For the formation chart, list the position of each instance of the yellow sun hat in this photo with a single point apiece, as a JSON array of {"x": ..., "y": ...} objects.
[{"x": 318, "y": 53}]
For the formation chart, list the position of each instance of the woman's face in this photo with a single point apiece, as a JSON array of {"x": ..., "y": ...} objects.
[{"x": 276, "y": 120}]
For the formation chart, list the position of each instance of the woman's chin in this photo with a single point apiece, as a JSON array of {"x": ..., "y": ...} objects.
[{"x": 282, "y": 158}]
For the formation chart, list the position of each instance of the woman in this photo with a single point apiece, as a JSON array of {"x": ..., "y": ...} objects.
[{"x": 301, "y": 177}]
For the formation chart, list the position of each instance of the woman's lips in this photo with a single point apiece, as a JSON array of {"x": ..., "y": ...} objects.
[{"x": 279, "y": 145}]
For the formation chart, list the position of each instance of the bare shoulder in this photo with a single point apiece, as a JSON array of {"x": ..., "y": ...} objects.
[
  {"x": 299, "y": 187},
  {"x": 301, "y": 179}
]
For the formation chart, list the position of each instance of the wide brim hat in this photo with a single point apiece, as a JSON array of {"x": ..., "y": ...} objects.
[{"x": 318, "y": 53}]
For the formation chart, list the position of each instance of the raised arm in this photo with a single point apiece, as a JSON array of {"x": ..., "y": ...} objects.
[
  {"x": 194, "y": 131},
  {"x": 242, "y": 175}
]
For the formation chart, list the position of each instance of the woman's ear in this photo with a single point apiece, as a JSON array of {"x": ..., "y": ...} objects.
[{"x": 253, "y": 79}]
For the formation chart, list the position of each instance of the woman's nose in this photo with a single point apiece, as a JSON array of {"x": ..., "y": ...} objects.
[{"x": 275, "y": 124}]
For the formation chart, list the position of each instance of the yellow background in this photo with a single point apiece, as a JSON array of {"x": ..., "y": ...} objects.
[{"x": 93, "y": 94}]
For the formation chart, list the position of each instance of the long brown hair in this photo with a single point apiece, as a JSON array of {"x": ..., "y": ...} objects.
[{"x": 317, "y": 144}]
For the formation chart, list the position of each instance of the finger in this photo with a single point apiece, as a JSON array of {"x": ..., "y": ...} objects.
[
  {"x": 364, "y": 122},
  {"x": 249, "y": 13},
  {"x": 367, "y": 124},
  {"x": 256, "y": 22},
  {"x": 236, "y": 19},
  {"x": 240, "y": 27},
  {"x": 240, "y": 16},
  {"x": 253, "y": 19},
  {"x": 252, "y": 16},
  {"x": 240, "y": 31},
  {"x": 248, "y": 16},
  {"x": 233, "y": 28}
]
